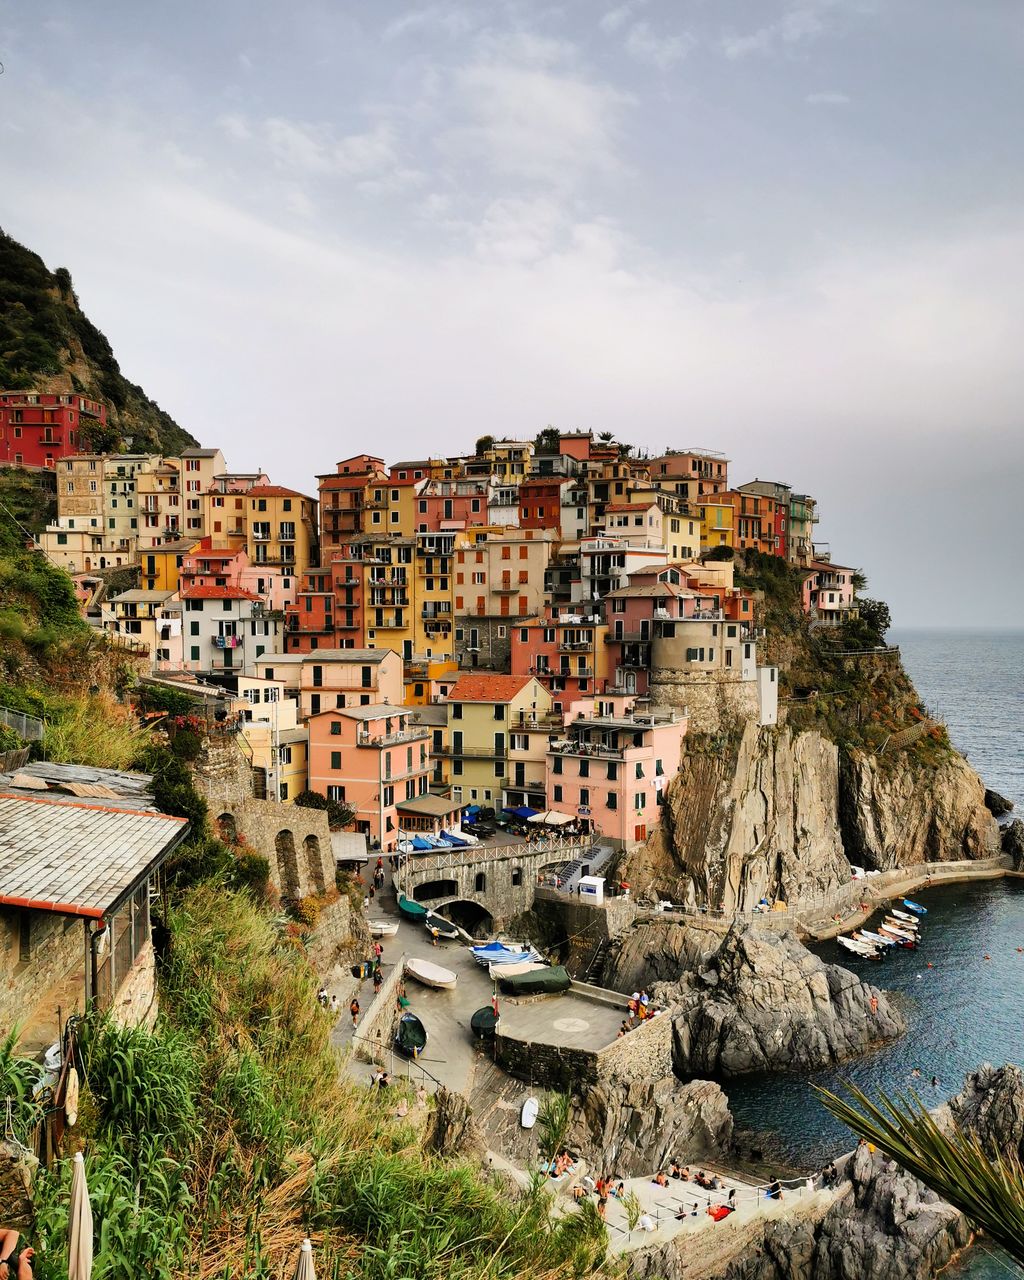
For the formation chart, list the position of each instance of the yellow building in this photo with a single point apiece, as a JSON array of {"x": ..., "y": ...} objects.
[
  {"x": 224, "y": 507},
  {"x": 196, "y": 469},
  {"x": 150, "y": 619},
  {"x": 158, "y": 494},
  {"x": 484, "y": 710},
  {"x": 271, "y": 738},
  {"x": 280, "y": 528},
  {"x": 161, "y": 566},
  {"x": 429, "y": 680},
  {"x": 716, "y": 524},
  {"x": 433, "y": 594}
]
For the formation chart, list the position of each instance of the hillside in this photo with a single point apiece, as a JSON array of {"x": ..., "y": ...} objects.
[{"x": 47, "y": 343}]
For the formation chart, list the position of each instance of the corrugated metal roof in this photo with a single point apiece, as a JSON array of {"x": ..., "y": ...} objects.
[{"x": 75, "y": 858}]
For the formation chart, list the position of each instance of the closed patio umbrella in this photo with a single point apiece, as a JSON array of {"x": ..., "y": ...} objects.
[
  {"x": 304, "y": 1266},
  {"x": 79, "y": 1225}
]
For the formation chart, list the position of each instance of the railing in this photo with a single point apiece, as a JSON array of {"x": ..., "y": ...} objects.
[
  {"x": 539, "y": 847},
  {"x": 628, "y": 637},
  {"x": 30, "y": 728},
  {"x": 392, "y": 739},
  {"x": 485, "y": 753}
]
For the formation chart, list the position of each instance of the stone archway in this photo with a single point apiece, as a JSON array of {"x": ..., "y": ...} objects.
[
  {"x": 471, "y": 916},
  {"x": 315, "y": 867},
  {"x": 227, "y": 828},
  {"x": 435, "y": 889},
  {"x": 287, "y": 864}
]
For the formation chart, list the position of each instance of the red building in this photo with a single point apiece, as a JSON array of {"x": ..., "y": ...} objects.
[
  {"x": 540, "y": 502},
  {"x": 37, "y": 429}
]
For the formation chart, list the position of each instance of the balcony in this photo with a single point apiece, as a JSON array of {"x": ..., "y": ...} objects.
[
  {"x": 389, "y": 624},
  {"x": 473, "y": 753},
  {"x": 226, "y": 642},
  {"x": 508, "y": 588},
  {"x": 364, "y": 739},
  {"x": 576, "y": 646},
  {"x": 574, "y": 674},
  {"x": 591, "y": 750},
  {"x": 628, "y": 637},
  {"x": 430, "y": 614}
]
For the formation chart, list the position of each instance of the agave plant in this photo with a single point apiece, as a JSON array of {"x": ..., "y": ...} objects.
[{"x": 988, "y": 1189}]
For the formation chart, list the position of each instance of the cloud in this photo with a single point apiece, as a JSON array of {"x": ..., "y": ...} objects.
[
  {"x": 450, "y": 20},
  {"x": 829, "y": 98},
  {"x": 614, "y": 19},
  {"x": 235, "y": 126},
  {"x": 794, "y": 26},
  {"x": 662, "y": 52}
]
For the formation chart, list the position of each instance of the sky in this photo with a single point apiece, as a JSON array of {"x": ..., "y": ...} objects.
[{"x": 788, "y": 230}]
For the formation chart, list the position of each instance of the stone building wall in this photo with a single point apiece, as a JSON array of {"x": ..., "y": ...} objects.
[
  {"x": 135, "y": 1002},
  {"x": 340, "y": 934},
  {"x": 57, "y": 950},
  {"x": 494, "y": 651},
  {"x": 375, "y": 1034},
  {"x": 712, "y": 700},
  {"x": 222, "y": 774},
  {"x": 585, "y": 926}
]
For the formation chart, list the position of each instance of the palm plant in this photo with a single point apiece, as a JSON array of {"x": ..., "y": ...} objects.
[
  {"x": 553, "y": 1121},
  {"x": 954, "y": 1164}
]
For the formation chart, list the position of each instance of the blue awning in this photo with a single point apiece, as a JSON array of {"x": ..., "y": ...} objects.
[
  {"x": 420, "y": 845},
  {"x": 524, "y": 811}
]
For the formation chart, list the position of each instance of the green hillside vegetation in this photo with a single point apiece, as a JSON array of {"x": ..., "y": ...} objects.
[{"x": 48, "y": 344}]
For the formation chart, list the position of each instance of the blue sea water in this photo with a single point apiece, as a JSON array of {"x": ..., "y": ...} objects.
[{"x": 965, "y": 1008}]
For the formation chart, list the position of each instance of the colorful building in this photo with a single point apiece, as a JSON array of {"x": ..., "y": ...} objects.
[
  {"x": 225, "y": 630},
  {"x": 565, "y": 651},
  {"x": 692, "y": 474},
  {"x": 271, "y": 738},
  {"x": 38, "y": 428},
  {"x": 281, "y": 529},
  {"x": 161, "y": 566},
  {"x": 349, "y": 678},
  {"x": 828, "y": 592},
  {"x": 371, "y": 758},
  {"x": 483, "y": 711}
]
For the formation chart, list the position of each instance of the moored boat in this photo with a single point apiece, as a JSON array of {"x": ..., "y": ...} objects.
[
  {"x": 444, "y": 928},
  {"x": 546, "y": 981},
  {"x": 484, "y": 1023},
  {"x": 382, "y": 928},
  {"x": 862, "y": 949},
  {"x": 431, "y": 975},
  {"x": 901, "y": 938},
  {"x": 503, "y": 953},
  {"x": 411, "y": 1035},
  {"x": 873, "y": 939},
  {"x": 508, "y": 970},
  {"x": 529, "y": 1113},
  {"x": 903, "y": 915},
  {"x": 410, "y": 909},
  {"x": 916, "y": 907}
]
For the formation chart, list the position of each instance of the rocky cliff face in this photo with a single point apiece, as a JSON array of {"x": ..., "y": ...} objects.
[
  {"x": 755, "y": 818},
  {"x": 627, "y": 1128},
  {"x": 657, "y": 951},
  {"x": 897, "y": 816},
  {"x": 765, "y": 1003},
  {"x": 781, "y": 814}
]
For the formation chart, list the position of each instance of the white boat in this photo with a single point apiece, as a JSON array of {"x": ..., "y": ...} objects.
[
  {"x": 466, "y": 837},
  {"x": 858, "y": 948},
  {"x": 874, "y": 939},
  {"x": 503, "y": 953},
  {"x": 382, "y": 928},
  {"x": 431, "y": 975},
  {"x": 528, "y": 1115},
  {"x": 508, "y": 970},
  {"x": 904, "y": 916},
  {"x": 904, "y": 939},
  {"x": 897, "y": 926},
  {"x": 914, "y": 926}
]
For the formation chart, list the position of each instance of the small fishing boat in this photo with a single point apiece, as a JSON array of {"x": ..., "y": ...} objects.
[
  {"x": 484, "y": 1023},
  {"x": 431, "y": 975},
  {"x": 382, "y": 928},
  {"x": 903, "y": 915},
  {"x": 442, "y": 927},
  {"x": 508, "y": 970},
  {"x": 911, "y": 930},
  {"x": 873, "y": 939},
  {"x": 529, "y": 1113},
  {"x": 903, "y": 939},
  {"x": 863, "y": 949},
  {"x": 546, "y": 981},
  {"x": 411, "y": 1035},
  {"x": 410, "y": 909},
  {"x": 503, "y": 953},
  {"x": 916, "y": 907}
]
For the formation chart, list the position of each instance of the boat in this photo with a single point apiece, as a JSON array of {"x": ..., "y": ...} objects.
[
  {"x": 382, "y": 928},
  {"x": 903, "y": 915},
  {"x": 431, "y": 975},
  {"x": 528, "y": 1115},
  {"x": 545, "y": 981},
  {"x": 916, "y": 907},
  {"x": 911, "y": 930},
  {"x": 862, "y": 949},
  {"x": 444, "y": 928},
  {"x": 419, "y": 845},
  {"x": 873, "y": 939},
  {"x": 411, "y": 1035},
  {"x": 904, "y": 939},
  {"x": 410, "y": 909},
  {"x": 503, "y": 953},
  {"x": 466, "y": 837},
  {"x": 457, "y": 842},
  {"x": 484, "y": 1023},
  {"x": 510, "y": 970}
]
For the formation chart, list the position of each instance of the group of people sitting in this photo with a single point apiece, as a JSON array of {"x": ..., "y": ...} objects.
[{"x": 562, "y": 1164}]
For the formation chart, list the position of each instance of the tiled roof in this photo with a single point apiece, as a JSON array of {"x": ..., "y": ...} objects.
[
  {"x": 275, "y": 491},
  {"x": 77, "y": 859},
  {"x": 218, "y": 593},
  {"x": 487, "y": 688}
]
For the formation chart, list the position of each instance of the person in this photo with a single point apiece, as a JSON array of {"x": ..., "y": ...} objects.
[
  {"x": 421, "y": 1097},
  {"x": 731, "y": 1202},
  {"x": 935, "y": 1082},
  {"x": 646, "y": 1223},
  {"x": 378, "y": 981},
  {"x": 623, "y": 1028},
  {"x": 383, "y": 1080},
  {"x": 659, "y": 1179},
  {"x": 14, "y": 1265},
  {"x": 378, "y": 951},
  {"x": 831, "y": 1175},
  {"x": 619, "y": 1190},
  {"x": 916, "y": 1074},
  {"x": 354, "y": 1011},
  {"x": 321, "y": 997},
  {"x": 334, "y": 1004},
  {"x": 578, "y": 1193},
  {"x": 774, "y": 1189},
  {"x": 433, "y": 936}
]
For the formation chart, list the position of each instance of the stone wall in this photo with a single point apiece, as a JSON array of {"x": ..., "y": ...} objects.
[
  {"x": 135, "y": 1002},
  {"x": 584, "y": 927},
  {"x": 340, "y": 934},
  {"x": 645, "y": 1053},
  {"x": 57, "y": 950},
  {"x": 494, "y": 651},
  {"x": 295, "y": 841},
  {"x": 375, "y": 1035},
  {"x": 222, "y": 773},
  {"x": 713, "y": 701}
]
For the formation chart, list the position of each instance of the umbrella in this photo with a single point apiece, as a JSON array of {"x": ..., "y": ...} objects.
[
  {"x": 304, "y": 1266},
  {"x": 79, "y": 1225},
  {"x": 550, "y": 818}
]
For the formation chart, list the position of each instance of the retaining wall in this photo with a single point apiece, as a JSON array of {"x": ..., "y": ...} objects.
[{"x": 374, "y": 1036}]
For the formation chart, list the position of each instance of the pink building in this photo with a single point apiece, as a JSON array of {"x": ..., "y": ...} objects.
[
  {"x": 372, "y": 759},
  {"x": 333, "y": 678},
  {"x": 210, "y": 566},
  {"x": 612, "y": 768},
  {"x": 828, "y": 592},
  {"x": 451, "y": 504},
  {"x": 565, "y": 653}
]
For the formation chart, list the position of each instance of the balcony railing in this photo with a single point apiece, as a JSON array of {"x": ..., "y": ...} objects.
[
  {"x": 508, "y": 588},
  {"x": 480, "y": 753},
  {"x": 628, "y": 637},
  {"x": 392, "y": 739},
  {"x": 576, "y": 646}
]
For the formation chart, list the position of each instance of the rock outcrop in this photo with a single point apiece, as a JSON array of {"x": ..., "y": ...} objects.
[
  {"x": 997, "y": 804},
  {"x": 745, "y": 819},
  {"x": 627, "y": 1128},
  {"x": 1013, "y": 842},
  {"x": 657, "y": 951},
  {"x": 901, "y": 815},
  {"x": 991, "y": 1106},
  {"x": 765, "y": 1003},
  {"x": 451, "y": 1129}
]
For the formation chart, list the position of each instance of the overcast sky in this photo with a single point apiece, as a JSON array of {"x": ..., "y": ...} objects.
[{"x": 791, "y": 232}]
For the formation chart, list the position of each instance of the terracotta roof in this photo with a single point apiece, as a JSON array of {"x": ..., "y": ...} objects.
[
  {"x": 218, "y": 593},
  {"x": 275, "y": 491},
  {"x": 487, "y": 687},
  {"x": 628, "y": 506},
  {"x": 78, "y": 859},
  {"x": 353, "y": 481}
]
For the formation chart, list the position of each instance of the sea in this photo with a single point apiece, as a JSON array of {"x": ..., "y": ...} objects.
[{"x": 960, "y": 990}]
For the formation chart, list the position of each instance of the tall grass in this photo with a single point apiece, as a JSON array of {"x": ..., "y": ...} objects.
[{"x": 92, "y": 730}]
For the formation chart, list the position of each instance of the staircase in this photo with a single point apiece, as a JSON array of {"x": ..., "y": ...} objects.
[{"x": 594, "y": 968}]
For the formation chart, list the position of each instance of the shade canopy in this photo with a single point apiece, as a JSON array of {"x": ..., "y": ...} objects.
[
  {"x": 524, "y": 811},
  {"x": 550, "y": 818},
  {"x": 79, "y": 1225}
]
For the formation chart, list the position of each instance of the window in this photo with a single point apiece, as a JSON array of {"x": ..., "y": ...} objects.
[
  {"x": 639, "y": 769},
  {"x": 318, "y": 677},
  {"x": 556, "y": 764},
  {"x": 585, "y": 796},
  {"x": 499, "y": 769},
  {"x": 389, "y": 796},
  {"x": 335, "y": 759},
  {"x": 365, "y": 677},
  {"x": 195, "y": 653},
  {"x": 502, "y": 632},
  {"x": 517, "y": 877},
  {"x": 556, "y": 794},
  {"x": 335, "y": 728},
  {"x": 456, "y": 710},
  {"x": 335, "y": 792},
  {"x": 641, "y": 800},
  {"x": 480, "y": 883},
  {"x": 524, "y": 635},
  {"x": 613, "y": 771},
  {"x": 499, "y": 711},
  {"x": 613, "y": 800}
]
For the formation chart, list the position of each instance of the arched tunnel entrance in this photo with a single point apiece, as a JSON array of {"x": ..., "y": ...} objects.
[
  {"x": 471, "y": 916},
  {"x": 434, "y": 889}
]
